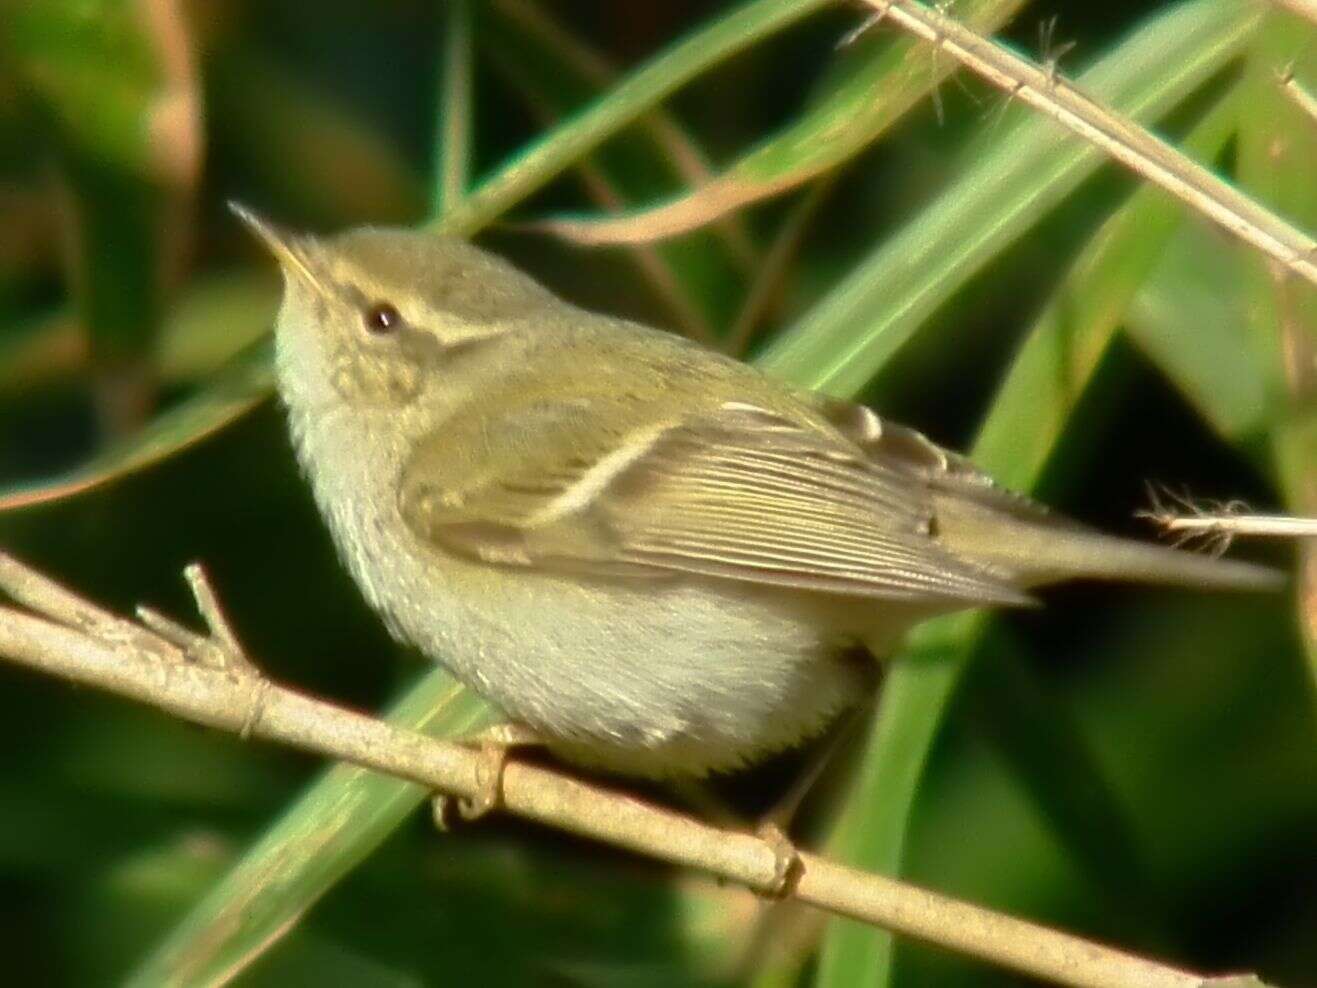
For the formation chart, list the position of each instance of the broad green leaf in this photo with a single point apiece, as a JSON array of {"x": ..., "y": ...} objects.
[
  {"x": 858, "y": 107},
  {"x": 1149, "y": 73},
  {"x": 1022, "y": 172}
]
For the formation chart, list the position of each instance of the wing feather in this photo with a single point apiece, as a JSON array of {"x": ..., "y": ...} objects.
[{"x": 737, "y": 493}]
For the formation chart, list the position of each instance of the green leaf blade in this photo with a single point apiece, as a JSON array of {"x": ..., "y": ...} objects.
[{"x": 1023, "y": 173}]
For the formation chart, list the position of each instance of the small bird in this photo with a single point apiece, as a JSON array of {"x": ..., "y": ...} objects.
[{"x": 653, "y": 558}]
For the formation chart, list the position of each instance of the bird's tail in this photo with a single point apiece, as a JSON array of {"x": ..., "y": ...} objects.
[{"x": 1036, "y": 551}]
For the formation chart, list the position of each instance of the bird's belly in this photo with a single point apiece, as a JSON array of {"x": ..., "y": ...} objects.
[{"x": 657, "y": 678}]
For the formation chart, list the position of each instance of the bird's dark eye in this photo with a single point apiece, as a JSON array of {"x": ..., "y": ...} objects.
[{"x": 382, "y": 318}]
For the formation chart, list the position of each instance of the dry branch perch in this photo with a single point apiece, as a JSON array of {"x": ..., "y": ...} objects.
[
  {"x": 1044, "y": 89},
  {"x": 208, "y": 680}
]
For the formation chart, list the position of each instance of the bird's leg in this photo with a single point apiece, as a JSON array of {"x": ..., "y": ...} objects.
[
  {"x": 770, "y": 829},
  {"x": 772, "y": 825},
  {"x": 781, "y": 813},
  {"x": 493, "y": 744}
]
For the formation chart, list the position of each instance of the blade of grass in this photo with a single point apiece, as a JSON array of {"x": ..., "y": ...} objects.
[
  {"x": 577, "y": 59},
  {"x": 629, "y": 98},
  {"x": 614, "y": 179},
  {"x": 244, "y": 383},
  {"x": 1025, "y": 420},
  {"x": 1064, "y": 347},
  {"x": 858, "y": 107},
  {"x": 336, "y": 823},
  {"x": 456, "y": 106},
  {"x": 1018, "y": 177}
]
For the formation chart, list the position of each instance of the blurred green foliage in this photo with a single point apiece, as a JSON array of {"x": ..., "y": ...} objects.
[{"x": 1137, "y": 766}]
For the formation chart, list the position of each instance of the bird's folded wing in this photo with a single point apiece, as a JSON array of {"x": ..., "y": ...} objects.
[
  {"x": 738, "y": 493},
  {"x": 941, "y": 470}
]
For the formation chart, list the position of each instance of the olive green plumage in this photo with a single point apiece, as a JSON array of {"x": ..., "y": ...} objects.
[{"x": 656, "y": 557}]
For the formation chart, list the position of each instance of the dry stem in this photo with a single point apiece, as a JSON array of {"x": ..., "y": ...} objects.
[
  {"x": 159, "y": 663},
  {"x": 1047, "y": 91},
  {"x": 1215, "y": 524}
]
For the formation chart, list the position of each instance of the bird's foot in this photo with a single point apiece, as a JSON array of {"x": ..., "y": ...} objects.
[{"x": 493, "y": 745}]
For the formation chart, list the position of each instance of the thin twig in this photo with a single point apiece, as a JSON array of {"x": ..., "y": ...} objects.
[
  {"x": 235, "y": 700},
  {"x": 170, "y": 630},
  {"x": 1049, "y": 92}
]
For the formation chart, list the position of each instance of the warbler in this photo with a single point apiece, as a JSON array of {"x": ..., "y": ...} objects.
[{"x": 653, "y": 557}]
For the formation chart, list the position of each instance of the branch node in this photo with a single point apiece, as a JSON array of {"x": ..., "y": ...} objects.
[
  {"x": 260, "y": 689},
  {"x": 786, "y": 862}
]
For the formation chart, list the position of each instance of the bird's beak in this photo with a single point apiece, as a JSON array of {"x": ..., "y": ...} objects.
[{"x": 288, "y": 247}]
